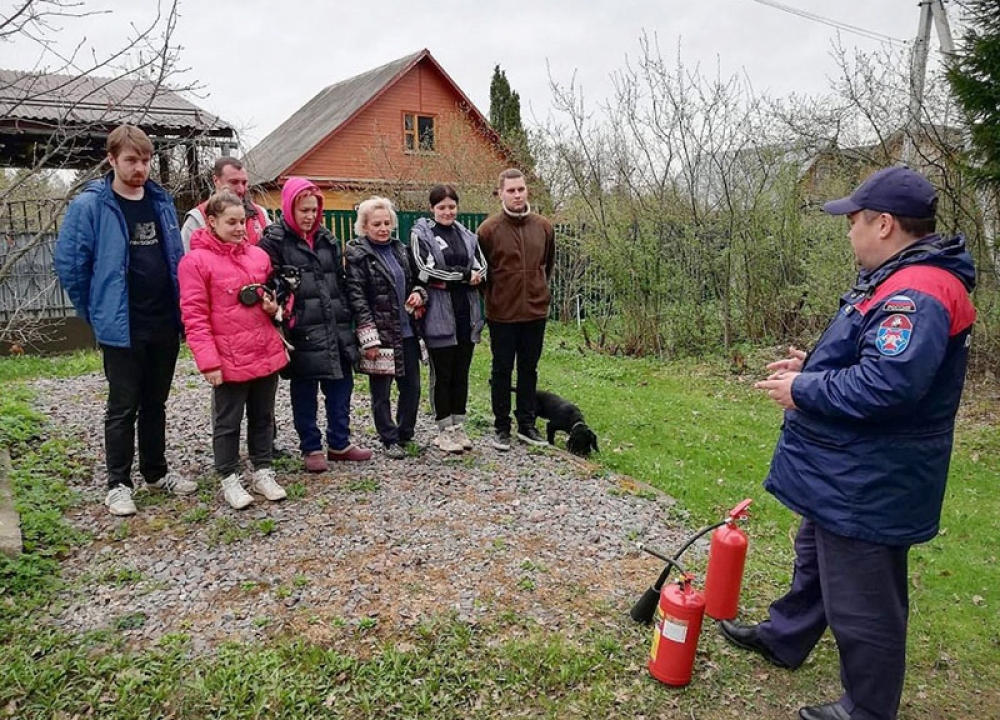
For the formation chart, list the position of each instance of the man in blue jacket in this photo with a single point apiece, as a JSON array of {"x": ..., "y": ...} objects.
[
  {"x": 116, "y": 257},
  {"x": 864, "y": 450}
]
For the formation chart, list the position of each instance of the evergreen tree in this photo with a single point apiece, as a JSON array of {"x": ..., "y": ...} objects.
[
  {"x": 975, "y": 80},
  {"x": 505, "y": 117}
]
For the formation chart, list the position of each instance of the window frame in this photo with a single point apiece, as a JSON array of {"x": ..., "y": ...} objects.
[{"x": 412, "y": 141}]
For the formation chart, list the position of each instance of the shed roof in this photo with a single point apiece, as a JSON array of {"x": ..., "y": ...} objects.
[{"x": 44, "y": 99}]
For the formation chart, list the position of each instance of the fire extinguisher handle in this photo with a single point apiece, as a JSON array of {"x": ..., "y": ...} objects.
[{"x": 740, "y": 511}]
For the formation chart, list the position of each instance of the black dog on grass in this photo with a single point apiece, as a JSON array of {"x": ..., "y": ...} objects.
[{"x": 562, "y": 415}]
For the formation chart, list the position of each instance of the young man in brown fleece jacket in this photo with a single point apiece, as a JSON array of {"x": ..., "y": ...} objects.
[{"x": 519, "y": 246}]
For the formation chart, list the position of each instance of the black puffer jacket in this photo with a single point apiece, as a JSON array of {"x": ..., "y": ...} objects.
[
  {"x": 321, "y": 332},
  {"x": 372, "y": 295}
]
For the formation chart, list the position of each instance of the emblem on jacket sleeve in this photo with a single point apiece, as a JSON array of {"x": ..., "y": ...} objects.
[
  {"x": 900, "y": 304},
  {"x": 894, "y": 335}
]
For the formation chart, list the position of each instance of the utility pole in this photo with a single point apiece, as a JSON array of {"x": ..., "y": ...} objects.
[{"x": 931, "y": 12}]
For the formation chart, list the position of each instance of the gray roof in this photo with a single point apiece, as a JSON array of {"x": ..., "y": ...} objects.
[
  {"x": 319, "y": 117},
  {"x": 29, "y": 97}
]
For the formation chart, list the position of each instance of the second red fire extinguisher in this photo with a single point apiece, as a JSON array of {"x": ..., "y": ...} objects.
[{"x": 727, "y": 556}]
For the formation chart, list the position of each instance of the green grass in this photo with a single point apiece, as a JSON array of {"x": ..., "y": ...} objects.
[
  {"x": 25, "y": 367},
  {"x": 703, "y": 435},
  {"x": 692, "y": 430}
]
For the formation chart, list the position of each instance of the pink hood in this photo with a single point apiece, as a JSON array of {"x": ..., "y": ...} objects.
[
  {"x": 205, "y": 239},
  {"x": 293, "y": 188}
]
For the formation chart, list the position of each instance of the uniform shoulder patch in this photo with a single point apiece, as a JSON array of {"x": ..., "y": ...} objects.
[
  {"x": 900, "y": 304},
  {"x": 894, "y": 334}
]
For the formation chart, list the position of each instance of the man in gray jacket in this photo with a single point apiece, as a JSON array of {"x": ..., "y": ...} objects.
[{"x": 228, "y": 174}]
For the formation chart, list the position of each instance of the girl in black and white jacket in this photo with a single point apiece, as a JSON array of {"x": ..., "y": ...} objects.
[{"x": 450, "y": 265}]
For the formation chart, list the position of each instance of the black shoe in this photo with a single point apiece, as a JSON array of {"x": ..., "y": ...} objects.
[
  {"x": 830, "y": 711},
  {"x": 745, "y": 636},
  {"x": 395, "y": 451},
  {"x": 501, "y": 440},
  {"x": 279, "y": 453},
  {"x": 531, "y": 436}
]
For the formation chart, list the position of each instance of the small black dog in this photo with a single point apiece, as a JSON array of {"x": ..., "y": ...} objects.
[{"x": 565, "y": 416}]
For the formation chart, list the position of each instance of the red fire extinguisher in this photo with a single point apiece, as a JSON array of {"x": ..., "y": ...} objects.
[
  {"x": 727, "y": 555},
  {"x": 676, "y": 627}
]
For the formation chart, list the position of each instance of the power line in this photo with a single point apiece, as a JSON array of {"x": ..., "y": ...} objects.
[{"x": 853, "y": 29}]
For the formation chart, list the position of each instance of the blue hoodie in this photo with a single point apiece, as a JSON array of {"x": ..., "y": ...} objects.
[
  {"x": 92, "y": 255},
  {"x": 866, "y": 452}
]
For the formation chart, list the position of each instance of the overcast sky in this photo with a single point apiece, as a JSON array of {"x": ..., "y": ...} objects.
[{"x": 259, "y": 60}]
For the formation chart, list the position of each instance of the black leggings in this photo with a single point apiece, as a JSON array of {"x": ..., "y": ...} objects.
[{"x": 451, "y": 378}]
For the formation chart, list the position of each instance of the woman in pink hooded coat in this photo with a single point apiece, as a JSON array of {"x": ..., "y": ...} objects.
[
  {"x": 320, "y": 331},
  {"x": 235, "y": 344}
]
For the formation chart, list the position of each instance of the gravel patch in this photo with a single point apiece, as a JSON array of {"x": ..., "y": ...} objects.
[{"x": 389, "y": 543}]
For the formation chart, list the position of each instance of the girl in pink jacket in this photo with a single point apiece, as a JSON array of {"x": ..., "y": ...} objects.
[{"x": 234, "y": 342}]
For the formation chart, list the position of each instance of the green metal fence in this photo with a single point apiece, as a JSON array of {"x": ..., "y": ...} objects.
[
  {"x": 341, "y": 222},
  {"x": 579, "y": 288}
]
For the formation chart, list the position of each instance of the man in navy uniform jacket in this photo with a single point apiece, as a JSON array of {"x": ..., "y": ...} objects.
[{"x": 864, "y": 450}]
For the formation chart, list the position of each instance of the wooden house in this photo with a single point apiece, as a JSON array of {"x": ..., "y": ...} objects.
[{"x": 394, "y": 131}]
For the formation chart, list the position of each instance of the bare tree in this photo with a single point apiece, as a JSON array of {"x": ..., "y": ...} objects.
[
  {"x": 698, "y": 198},
  {"x": 55, "y": 118},
  {"x": 675, "y": 178}
]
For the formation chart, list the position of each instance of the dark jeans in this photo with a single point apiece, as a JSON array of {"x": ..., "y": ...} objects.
[
  {"x": 257, "y": 396},
  {"x": 139, "y": 380},
  {"x": 509, "y": 342},
  {"x": 451, "y": 379},
  {"x": 859, "y": 589},
  {"x": 305, "y": 405},
  {"x": 400, "y": 431}
]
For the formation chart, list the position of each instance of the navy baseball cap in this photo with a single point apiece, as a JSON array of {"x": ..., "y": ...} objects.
[{"x": 897, "y": 190}]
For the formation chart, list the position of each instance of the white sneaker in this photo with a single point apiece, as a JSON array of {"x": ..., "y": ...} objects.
[
  {"x": 263, "y": 483},
  {"x": 119, "y": 500},
  {"x": 174, "y": 484},
  {"x": 447, "y": 441},
  {"x": 458, "y": 432},
  {"x": 233, "y": 492}
]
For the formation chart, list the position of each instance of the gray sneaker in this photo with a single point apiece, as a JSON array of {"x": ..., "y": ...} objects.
[
  {"x": 501, "y": 440},
  {"x": 458, "y": 432},
  {"x": 174, "y": 484},
  {"x": 119, "y": 501},
  {"x": 447, "y": 441}
]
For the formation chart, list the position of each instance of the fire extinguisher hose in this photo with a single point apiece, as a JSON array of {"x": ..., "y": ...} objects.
[{"x": 644, "y": 608}]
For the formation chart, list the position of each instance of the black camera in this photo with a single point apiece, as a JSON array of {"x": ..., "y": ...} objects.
[
  {"x": 279, "y": 288},
  {"x": 252, "y": 294}
]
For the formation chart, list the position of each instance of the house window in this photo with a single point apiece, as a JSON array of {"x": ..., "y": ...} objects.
[{"x": 418, "y": 133}]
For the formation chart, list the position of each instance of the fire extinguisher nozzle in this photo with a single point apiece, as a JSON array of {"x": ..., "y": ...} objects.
[{"x": 645, "y": 607}]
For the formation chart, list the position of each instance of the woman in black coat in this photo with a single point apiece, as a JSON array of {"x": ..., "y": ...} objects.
[
  {"x": 384, "y": 301},
  {"x": 319, "y": 328}
]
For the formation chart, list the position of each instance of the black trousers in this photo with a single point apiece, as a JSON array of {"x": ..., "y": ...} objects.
[
  {"x": 521, "y": 343},
  {"x": 400, "y": 431},
  {"x": 451, "y": 379},
  {"x": 859, "y": 590},
  {"x": 257, "y": 396},
  {"x": 139, "y": 380}
]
